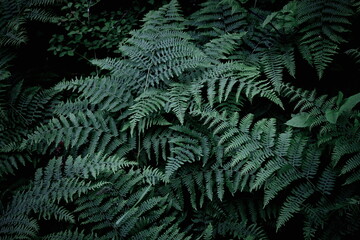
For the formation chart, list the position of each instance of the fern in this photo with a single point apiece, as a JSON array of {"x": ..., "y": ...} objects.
[
  {"x": 235, "y": 77},
  {"x": 16, "y": 14},
  {"x": 51, "y": 185},
  {"x": 316, "y": 108},
  {"x": 156, "y": 144},
  {"x": 108, "y": 94},
  {"x": 11, "y": 159},
  {"x": 274, "y": 61},
  {"x": 208, "y": 233},
  {"x": 189, "y": 134},
  {"x": 185, "y": 148},
  {"x": 323, "y": 23},
  {"x": 22, "y": 111},
  {"x": 241, "y": 231},
  {"x": 179, "y": 97},
  {"x": 253, "y": 150},
  {"x": 18, "y": 227},
  {"x": 355, "y": 54},
  {"x": 5, "y": 59},
  {"x": 334, "y": 117},
  {"x": 150, "y": 102},
  {"x": 223, "y": 46},
  {"x": 157, "y": 54},
  {"x": 73, "y": 131},
  {"x": 293, "y": 203},
  {"x": 124, "y": 214},
  {"x": 71, "y": 235},
  {"x": 217, "y": 18}
]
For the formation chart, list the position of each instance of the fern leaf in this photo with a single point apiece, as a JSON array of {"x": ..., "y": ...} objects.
[
  {"x": 75, "y": 131},
  {"x": 219, "y": 48},
  {"x": 20, "y": 226},
  {"x": 327, "y": 181},
  {"x": 151, "y": 101},
  {"x": 293, "y": 203},
  {"x": 239, "y": 78},
  {"x": 217, "y": 18},
  {"x": 323, "y": 23},
  {"x": 179, "y": 97},
  {"x": 277, "y": 184},
  {"x": 71, "y": 235},
  {"x": 108, "y": 93}
]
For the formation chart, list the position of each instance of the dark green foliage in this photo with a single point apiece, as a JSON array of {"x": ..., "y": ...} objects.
[
  {"x": 21, "y": 111},
  {"x": 89, "y": 31},
  {"x": 188, "y": 135},
  {"x": 215, "y": 19},
  {"x": 321, "y": 24},
  {"x": 14, "y": 15}
]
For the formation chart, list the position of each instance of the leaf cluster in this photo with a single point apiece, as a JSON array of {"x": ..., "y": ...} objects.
[{"x": 188, "y": 134}]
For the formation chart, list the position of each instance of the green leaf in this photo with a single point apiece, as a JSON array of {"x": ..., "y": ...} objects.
[
  {"x": 300, "y": 120},
  {"x": 339, "y": 98},
  {"x": 350, "y": 103},
  {"x": 331, "y": 116},
  {"x": 268, "y": 19}
]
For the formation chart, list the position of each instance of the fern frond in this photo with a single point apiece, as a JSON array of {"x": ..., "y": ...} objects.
[
  {"x": 310, "y": 165},
  {"x": 110, "y": 94},
  {"x": 274, "y": 60},
  {"x": 238, "y": 78},
  {"x": 29, "y": 106},
  {"x": 150, "y": 102},
  {"x": 37, "y": 14},
  {"x": 169, "y": 14},
  {"x": 208, "y": 232},
  {"x": 355, "y": 54},
  {"x": 90, "y": 130},
  {"x": 153, "y": 176},
  {"x": 158, "y": 53},
  {"x": 217, "y": 18},
  {"x": 322, "y": 23},
  {"x": 327, "y": 180},
  {"x": 156, "y": 144},
  {"x": 241, "y": 230},
  {"x": 73, "y": 107},
  {"x": 23, "y": 109},
  {"x": 293, "y": 203},
  {"x": 93, "y": 164},
  {"x": 162, "y": 56},
  {"x": 278, "y": 183},
  {"x": 71, "y": 235},
  {"x": 220, "y": 48},
  {"x": 179, "y": 98},
  {"x": 35, "y": 105},
  {"x": 313, "y": 109},
  {"x": 283, "y": 147},
  {"x": 351, "y": 164},
  {"x": 17, "y": 227},
  {"x": 11, "y": 158},
  {"x": 128, "y": 208},
  {"x": 353, "y": 178},
  {"x": 49, "y": 187},
  {"x": 185, "y": 149},
  {"x": 14, "y": 16}
]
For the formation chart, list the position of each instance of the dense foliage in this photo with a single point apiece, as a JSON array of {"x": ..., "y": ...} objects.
[
  {"x": 90, "y": 31},
  {"x": 198, "y": 130}
]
